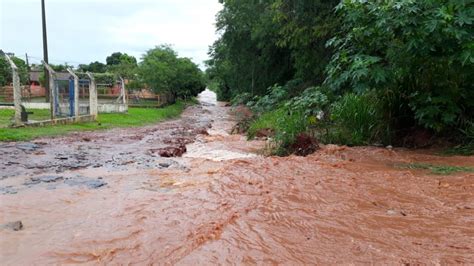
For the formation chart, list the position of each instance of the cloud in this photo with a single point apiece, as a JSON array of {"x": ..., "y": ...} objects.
[{"x": 85, "y": 31}]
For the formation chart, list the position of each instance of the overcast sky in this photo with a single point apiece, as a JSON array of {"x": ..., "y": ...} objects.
[{"x": 81, "y": 31}]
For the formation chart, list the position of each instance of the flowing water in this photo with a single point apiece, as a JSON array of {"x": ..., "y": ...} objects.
[{"x": 222, "y": 203}]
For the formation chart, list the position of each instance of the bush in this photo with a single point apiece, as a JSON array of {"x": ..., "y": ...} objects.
[
  {"x": 356, "y": 120},
  {"x": 273, "y": 99},
  {"x": 290, "y": 125},
  {"x": 268, "y": 120},
  {"x": 286, "y": 125},
  {"x": 421, "y": 50},
  {"x": 312, "y": 102},
  {"x": 242, "y": 98}
]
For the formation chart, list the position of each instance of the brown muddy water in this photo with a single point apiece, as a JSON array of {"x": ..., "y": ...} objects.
[{"x": 108, "y": 198}]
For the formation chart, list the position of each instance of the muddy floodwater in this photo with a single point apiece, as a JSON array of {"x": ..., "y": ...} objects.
[{"x": 109, "y": 197}]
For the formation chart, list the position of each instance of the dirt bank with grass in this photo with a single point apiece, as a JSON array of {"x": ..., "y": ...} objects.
[{"x": 109, "y": 197}]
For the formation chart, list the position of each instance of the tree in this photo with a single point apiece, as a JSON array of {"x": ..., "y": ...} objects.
[
  {"x": 119, "y": 58},
  {"x": 304, "y": 27},
  {"x": 246, "y": 58},
  {"x": 164, "y": 72},
  {"x": 190, "y": 79},
  {"x": 122, "y": 64},
  {"x": 6, "y": 72},
  {"x": 419, "y": 55},
  {"x": 94, "y": 67}
]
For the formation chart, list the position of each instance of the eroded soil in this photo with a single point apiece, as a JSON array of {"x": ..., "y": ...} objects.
[{"x": 109, "y": 197}]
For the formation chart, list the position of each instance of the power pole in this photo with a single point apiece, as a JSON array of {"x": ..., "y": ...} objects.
[
  {"x": 45, "y": 51},
  {"x": 27, "y": 63}
]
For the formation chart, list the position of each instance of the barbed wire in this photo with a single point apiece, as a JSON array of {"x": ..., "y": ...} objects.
[{"x": 57, "y": 61}]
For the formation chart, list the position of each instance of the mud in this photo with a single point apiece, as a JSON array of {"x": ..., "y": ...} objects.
[{"x": 222, "y": 203}]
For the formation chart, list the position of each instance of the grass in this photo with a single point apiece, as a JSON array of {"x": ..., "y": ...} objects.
[
  {"x": 135, "y": 117},
  {"x": 285, "y": 124},
  {"x": 439, "y": 169},
  {"x": 463, "y": 150},
  {"x": 268, "y": 120}
]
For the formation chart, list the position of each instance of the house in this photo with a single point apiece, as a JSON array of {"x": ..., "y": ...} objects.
[{"x": 36, "y": 89}]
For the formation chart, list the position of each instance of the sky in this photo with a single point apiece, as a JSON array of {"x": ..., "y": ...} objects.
[{"x": 83, "y": 31}]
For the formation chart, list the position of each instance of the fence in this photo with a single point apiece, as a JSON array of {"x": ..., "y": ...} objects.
[
  {"x": 64, "y": 106},
  {"x": 147, "y": 99}
]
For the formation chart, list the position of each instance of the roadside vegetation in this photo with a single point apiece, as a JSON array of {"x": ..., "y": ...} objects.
[
  {"x": 134, "y": 118},
  {"x": 438, "y": 169},
  {"x": 350, "y": 72}
]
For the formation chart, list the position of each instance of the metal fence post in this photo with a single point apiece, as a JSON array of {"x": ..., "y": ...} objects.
[
  {"x": 76, "y": 92},
  {"x": 93, "y": 96},
  {"x": 16, "y": 91}
]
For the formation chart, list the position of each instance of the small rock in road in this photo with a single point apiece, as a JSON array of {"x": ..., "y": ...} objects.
[
  {"x": 43, "y": 179},
  {"x": 15, "y": 226},
  {"x": 90, "y": 183}
]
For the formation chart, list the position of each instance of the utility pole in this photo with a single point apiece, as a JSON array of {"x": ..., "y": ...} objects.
[
  {"x": 45, "y": 51},
  {"x": 27, "y": 63}
]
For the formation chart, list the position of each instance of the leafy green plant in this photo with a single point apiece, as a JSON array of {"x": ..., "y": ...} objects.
[
  {"x": 290, "y": 125},
  {"x": 356, "y": 120},
  {"x": 422, "y": 50},
  {"x": 285, "y": 123},
  {"x": 242, "y": 98},
  {"x": 273, "y": 99},
  {"x": 311, "y": 102}
]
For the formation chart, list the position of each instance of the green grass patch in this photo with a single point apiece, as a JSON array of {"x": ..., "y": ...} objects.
[
  {"x": 438, "y": 169},
  {"x": 6, "y": 116},
  {"x": 286, "y": 125},
  {"x": 134, "y": 118},
  {"x": 463, "y": 150},
  {"x": 267, "y": 120}
]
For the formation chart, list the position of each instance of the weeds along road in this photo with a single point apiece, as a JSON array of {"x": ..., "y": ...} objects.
[{"x": 109, "y": 197}]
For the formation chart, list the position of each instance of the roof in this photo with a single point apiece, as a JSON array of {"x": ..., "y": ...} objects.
[{"x": 35, "y": 75}]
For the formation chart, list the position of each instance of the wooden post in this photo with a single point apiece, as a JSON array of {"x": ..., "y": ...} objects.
[
  {"x": 92, "y": 96},
  {"x": 16, "y": 91},
  {"x": 52, "y": 89},
  {"x": 76, "y": 92}
]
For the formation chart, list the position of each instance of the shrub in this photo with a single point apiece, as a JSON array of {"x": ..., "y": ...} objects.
[
  {"x": 242, "y": 98},
  {"x": 285, "y": 123},
  {"x": 268, "y": 120},
  {"x": 311, "y": 102},
  {"x": 356, "y": 120},
  {"x": 273, "y": 99},
  {"x": 422, "y": 50},
  {"x": 290, "y": 126}
]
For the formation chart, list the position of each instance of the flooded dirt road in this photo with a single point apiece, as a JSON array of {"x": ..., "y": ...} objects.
[{"x": 109, "y": 197}]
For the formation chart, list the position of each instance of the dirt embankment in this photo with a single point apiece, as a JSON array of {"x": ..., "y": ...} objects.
[{"x": 109, "y": 197}]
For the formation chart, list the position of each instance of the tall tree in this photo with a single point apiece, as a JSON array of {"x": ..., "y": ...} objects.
[
  {"x": 246, "y": 57},
  {"x": 119, "y": 58},
  {"x": 164, "y": 72}
]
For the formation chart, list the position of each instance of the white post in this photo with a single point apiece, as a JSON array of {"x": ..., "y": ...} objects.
[
  {"x": 52, "y": 89},
  {"x": 76, "y": 92},
  {"x": 123, "y": 91},
  {"x": 16, "y": 91},
  {"x": 92, "y": 96}
]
